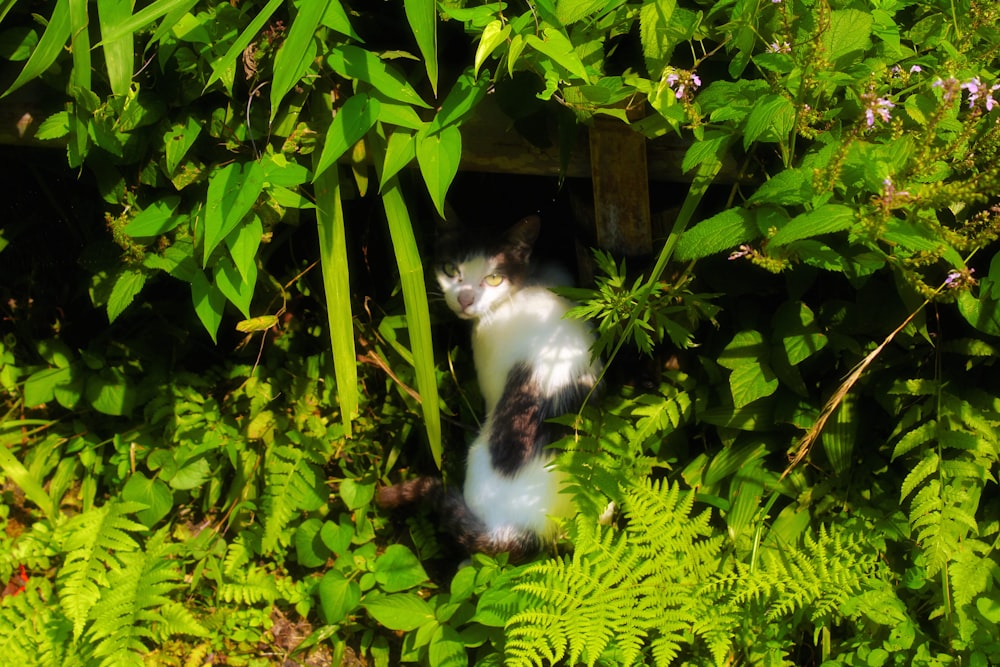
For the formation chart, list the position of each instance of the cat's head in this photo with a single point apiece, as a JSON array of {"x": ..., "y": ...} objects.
[{"x": 476, "y": 273}]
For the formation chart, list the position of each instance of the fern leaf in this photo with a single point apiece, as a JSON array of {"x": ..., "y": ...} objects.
[
  {"x": 927, "y": 466},
  {"x": 32, "y": 632},
  {"x": 294, "y": 484},
  {"x": 95, "y": 542}
]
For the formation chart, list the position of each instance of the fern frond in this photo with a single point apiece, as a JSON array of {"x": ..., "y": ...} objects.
[
  {"x": 94, "y": 542},
  {"x": 294, "y": 483},
  {"x": 32, "y": 631},
  {"x": 252, "y": 585},
  {"x": 137, "y": 590}
]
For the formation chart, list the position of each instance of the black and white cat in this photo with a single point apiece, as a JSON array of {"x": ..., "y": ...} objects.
[{"x": 533, "y": 363}]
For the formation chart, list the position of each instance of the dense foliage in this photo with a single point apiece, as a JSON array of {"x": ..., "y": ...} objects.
[{"x": 803, "y": 462}]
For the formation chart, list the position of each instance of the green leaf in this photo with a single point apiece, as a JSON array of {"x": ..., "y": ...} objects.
[
  {"x": 356, "y": 494},
  {"x": 232, "y": 192},
  {"x": 110, "y": 392},
  {"x": 40, "y": 387},
  {"x": 243, "y": 243},
  {"x": 398, "y": 569},
  {"x": 399, "y": 152},
  {"x": 32, "y": 486},
  {"x": 462, "y": 99},
  {"x": 297, "y": 51},
  {"x": 353, "y": 62},
  {"x": 353, "y": 120},
  {"x": 559, "y": 48},
  {"x": 229, "y": 59},
  {"x": 422, "y": 17},
  {"x": 848, "y": 35},
  {"x": 823, "y": 220},
  {"x": 178, "y": 140},
  {"x": 337, "y": 536},
  {"x": 310, "y": 551},
  {"x": 748, "y": 382},
  {"x": 209, "y": 302},
  {"x": 127, "y": 286},
  {"x": 438, "y": 155},
  {"x": 771, "y": 120},
  {"x": 493, "y": 35},
  {"x": 657, "y": 41},
  {"x": 840, "y": 435},
  {"x": 55, "y": 126},
  {"x": 49, "y": 47},
  {"x": 338, "y": 596},
  {"x": 119, "y": 52},
  {"x": 336, "y": 18},
  {"x": 153, "y": 493},
  {"x": 801, "y": 337},
  {"x": 237, "y": 288},
  {"x": 337, "y": 290},
  {"x": 787, "y": 188},
  {"x": 446, "y": 647},
  {"x": 721, "y": 232},
  {"x": 400, "y": 611}
]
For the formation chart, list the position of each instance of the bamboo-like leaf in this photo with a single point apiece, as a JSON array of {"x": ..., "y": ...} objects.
[
  {"x": 48, "y": 49},
  {"x": 353, "y": 120},
  {"x": 422, "y": 17},
  {"x": 297, "y": 51},
  {"x": 228, "y": 61},
  {"x": 144, "y": 17},
  {"x": 119, "y": 52},
  {"x": 418, "y": 320},
  {"x": 337, "y": 287},
  {"x": 79, "y": 44},
  {"x": 33, "y": 489},
  {"x": 232, "y": 191}
]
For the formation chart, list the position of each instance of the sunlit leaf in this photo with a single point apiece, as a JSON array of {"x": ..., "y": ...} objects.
[
  {"x": 297, "y": 51},
  {"x": 232, "y": 191},
  {"x": 353, "y": 120},
  {"x": 438, "y": 155},
  {"x": 422, "y": 17},
  {"x": 354, "y": 62}
]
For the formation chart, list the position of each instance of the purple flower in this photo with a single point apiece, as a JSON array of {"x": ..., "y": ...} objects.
[
  {"x": 915, "y": 68},
  {"x": 744, "y": 251},
  {"x": 681, "y": 80},
  {"x": 876, "y": 106},
  {"x": 959, "y": 278},
  {"x": 977, "y": 89},
  {"x": 973, "y": 85},
  {"x": 784, "y": 47},
  {"x": 949, "y": 88}
]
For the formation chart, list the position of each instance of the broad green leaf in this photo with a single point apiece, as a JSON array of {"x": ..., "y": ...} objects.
[
  {"x": 748, "y": 382},
  {"x": 337, "y": 536},
  {"x": 310, "y": 551},
  {"x": 399, "y": 152},
  {"x": 493, "y": 35},
  {"x": 297, "y": 51},
  {"x": 119, "y": 53},
  {"x": 848, "y": 35},
  {"x": 128, "y": 284},
  {"x": 657, "y": 41},
  {"x": 840, "y": 435},
  {"x": 243, "y": 243},
  {"x": 338, "y": 596},
  {"x": 40, "y": 387},
  {"x": 55, "y": 126},
  {"x": 461, "y": 101},
  {"x": 913, "y": 235},
  {"x": 232, "y": 191},
  {"x": 514, "y": 50},
  {"x": 447, "y": 648},
  {"x": 801, "y": 337},
  {"x": 721, "y": 232},
  {"x": 209, "y": 302},
  {"x": 157, "y": 218},
  {"x": 823, "y": 220},
  {"x": 178, "y": 140},
  {"x": 787, "y": 187},
  {"x": 399, "y": 611},
  {"x": 144, "y": 17},
  {"x": 356, "y": 494},
  {"x": 438, "y": 155},
  {"x": 191, "y": 474},
  {"x": 710, "y": 149},
  {"x": 398, "y": 569},
  {"x": 771, "y": 120},
  {"x": 232, "y": 55},
  {"x": 337, "y": 290},
  {"x": 337, "y": 19},
  {"x": 353, "y": 120},
  {"x": 354, "y": 62},
  {"x": 110, "y": 392},
  {"x": 559, "y": 48},
  {"x": 49, "y": 46},
  {"x": 746, "y": 490},
  {"x": 153, "y": 493},
  {"x": 422, "y": 17},
  {"x": 236, "y": 287}
]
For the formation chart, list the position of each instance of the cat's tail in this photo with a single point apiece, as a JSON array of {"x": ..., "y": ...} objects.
[{"x": 458, "y": 520}]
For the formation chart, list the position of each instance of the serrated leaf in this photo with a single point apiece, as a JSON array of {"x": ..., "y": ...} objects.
[
  {"x": 771, "y": 119},
  {"x": 55, "y": 126},
  {"x": 826, "y": 219},
  {"x": 127, "y": 286},
  {"x": 848, "y": 34},
  {"x": 719, "y": 233},
  {"x": 787, "y": 187}
]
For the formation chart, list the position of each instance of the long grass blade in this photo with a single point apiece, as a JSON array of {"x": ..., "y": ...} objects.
[
  {"x": 418, "y": 319},
  {"x": 33, "y": 488},
  {"x": 422, "y": 17},
  {"x": 48, "y": 49},
  {"x": 144, "y": 17},
  {"x": 118, "y": 53},
  {"x": 297, "y": 51},
  {"x": 228, "y": 60},
  {"x": 337, "y": 286},
  {"x": 80, "y": 43}
]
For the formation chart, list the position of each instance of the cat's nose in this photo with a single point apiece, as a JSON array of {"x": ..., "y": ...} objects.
[{"x": 465, "y": 299}]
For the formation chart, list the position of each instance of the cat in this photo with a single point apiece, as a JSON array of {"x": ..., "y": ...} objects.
[{"x": 532, "y": 363}]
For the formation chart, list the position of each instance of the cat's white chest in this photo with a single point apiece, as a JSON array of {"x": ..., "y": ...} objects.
[{"x": 530, "y": 327}]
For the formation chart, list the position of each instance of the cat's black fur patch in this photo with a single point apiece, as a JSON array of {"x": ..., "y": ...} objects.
[{"x": 518, "y": 429}]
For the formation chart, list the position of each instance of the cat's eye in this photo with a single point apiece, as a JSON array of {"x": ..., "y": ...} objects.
[
  {"x": 449, "y": 269},
  {"x": 493, "y": 279}
]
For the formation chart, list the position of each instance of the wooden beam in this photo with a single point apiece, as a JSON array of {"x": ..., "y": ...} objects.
[{"x": 620, "y": 175}]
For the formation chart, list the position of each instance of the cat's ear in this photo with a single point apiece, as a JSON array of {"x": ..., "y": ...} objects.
[{"x": 524, "y": 233}]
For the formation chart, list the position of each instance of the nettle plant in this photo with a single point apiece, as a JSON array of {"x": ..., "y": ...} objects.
[{"x": 855, "y": 243}]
